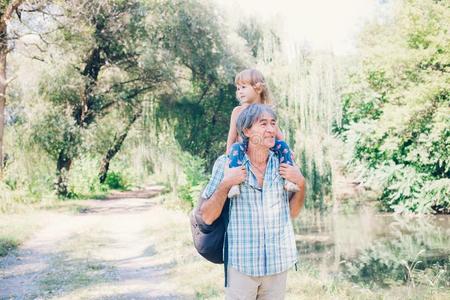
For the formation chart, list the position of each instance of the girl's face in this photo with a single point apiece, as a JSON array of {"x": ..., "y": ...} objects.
[{"x": 247, "y": 94}]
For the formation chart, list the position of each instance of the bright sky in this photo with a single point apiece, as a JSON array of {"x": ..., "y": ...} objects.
[{"x": 323, "y": 24}]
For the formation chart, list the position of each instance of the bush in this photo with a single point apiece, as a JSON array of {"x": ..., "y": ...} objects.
[
  {"x": 115, "y": 180},
  {"x": 194, "y": 170},
  {"x": 7, "y": 245}
]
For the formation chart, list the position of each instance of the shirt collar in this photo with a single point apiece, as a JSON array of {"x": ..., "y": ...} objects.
[
  {"x": 246, "y": 160},
  {"x": 251, "y": 178}
]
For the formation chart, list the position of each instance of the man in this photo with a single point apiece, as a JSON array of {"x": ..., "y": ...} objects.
[{"x": 261, "y": 243}]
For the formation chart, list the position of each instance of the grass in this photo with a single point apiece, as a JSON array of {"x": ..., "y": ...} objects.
[
  {"x": 7, "y": 245},
  {"x": 18, "y": 227}
]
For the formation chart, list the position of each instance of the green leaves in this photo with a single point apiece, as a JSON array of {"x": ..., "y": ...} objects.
[
  {"x": 196, "y": 177},
  {"x": 57, "y": 133},
  {"x": 401, "y": 117}
]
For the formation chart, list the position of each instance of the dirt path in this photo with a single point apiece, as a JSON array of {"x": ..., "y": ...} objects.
[{"x": 105, "y": 252}]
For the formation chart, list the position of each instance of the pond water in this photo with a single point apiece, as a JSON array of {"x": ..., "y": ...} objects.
[{"x": 376, "y": 249}]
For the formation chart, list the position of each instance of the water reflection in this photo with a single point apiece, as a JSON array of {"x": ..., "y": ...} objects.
[{"x": 376, "y": 249}]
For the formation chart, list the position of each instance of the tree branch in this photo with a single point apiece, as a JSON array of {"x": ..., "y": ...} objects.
[{"x": 10, "y": 9}]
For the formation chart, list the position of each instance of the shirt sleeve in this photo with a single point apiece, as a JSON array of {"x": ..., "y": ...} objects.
[{"x": 216, "y": 177}]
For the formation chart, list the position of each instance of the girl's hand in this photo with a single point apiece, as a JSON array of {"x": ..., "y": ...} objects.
[
  {"x": 292, "y": 173},
  {"x": 234, "y": 176}
]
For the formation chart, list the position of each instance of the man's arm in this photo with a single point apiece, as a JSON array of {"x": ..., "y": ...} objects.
[
  {"x": 297, "y": 200},
  {"x": 211, "y": 208}
]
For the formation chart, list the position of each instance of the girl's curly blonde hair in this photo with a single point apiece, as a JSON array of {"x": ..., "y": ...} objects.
[{"x": 256, "y": 79}]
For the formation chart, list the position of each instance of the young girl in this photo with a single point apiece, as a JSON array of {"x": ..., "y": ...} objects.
[{"x": 252, "y": 88}]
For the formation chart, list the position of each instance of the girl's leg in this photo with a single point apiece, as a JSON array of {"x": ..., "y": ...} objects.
[
  {"x": 285, "y": 156},
  {"x": 283, "y": 152},
  {"x": 236, "y": 156}
]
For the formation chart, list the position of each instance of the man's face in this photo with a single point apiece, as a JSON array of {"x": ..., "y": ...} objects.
[{"x": 263, "y": 131}]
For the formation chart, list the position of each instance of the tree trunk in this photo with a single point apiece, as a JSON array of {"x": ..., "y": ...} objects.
[
  {"x": 3, "y": 53},
  {"x": 64, "y": 162},
  {"x": 62, "y": 168},
  {"x": 114, "y": 149},
  {"x": 5, "y": 16}
]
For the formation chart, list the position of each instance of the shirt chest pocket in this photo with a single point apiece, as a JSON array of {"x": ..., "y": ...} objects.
[
  {"x": 275, "y": 194},
  {"x": 277, "y": 183}
]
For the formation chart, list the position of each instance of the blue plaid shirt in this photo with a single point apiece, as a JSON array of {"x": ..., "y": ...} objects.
[{"x": 261, "y": 238}]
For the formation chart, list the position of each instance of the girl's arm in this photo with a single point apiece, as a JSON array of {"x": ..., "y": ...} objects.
[{"x": 232, "y": 133}]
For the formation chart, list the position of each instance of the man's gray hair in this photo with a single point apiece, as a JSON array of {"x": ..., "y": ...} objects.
[{"x": 250, "y": 116}]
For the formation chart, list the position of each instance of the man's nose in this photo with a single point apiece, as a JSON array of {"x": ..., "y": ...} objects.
[{"x": 270, "y": 128}]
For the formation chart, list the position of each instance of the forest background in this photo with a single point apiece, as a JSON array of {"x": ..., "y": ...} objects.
[{"x": 115, "y": 95}]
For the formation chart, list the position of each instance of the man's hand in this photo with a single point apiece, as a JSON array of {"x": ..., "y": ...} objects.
[
  {"x": 234, "y": 176},
  {"x": 292, "y": 173}
]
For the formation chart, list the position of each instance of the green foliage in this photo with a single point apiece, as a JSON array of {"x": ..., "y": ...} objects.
[
  {"x": 83, "y": 179},
  {"x": 57, "y": 133},
  {"x": 199, "y": 110},
  {"x": 253, "y": 34},
  {"x": 305, "y": 87},
  {"x": 358, "y": 107},
  {"x": 378, "y": 266},
  {"x": 115, "y": 180},
  {"x": 196, "y": 177},
  {"x": 437, "y": 193},
  {"x": 398, "y": 122},
  {"x": 201, "y": 125},
  {"x": 64, "y": 89},
  {"x": 112, "y": 61},
  {"x": 28, "y": 175},
  {"x": 403, "y": 186},
  {"x": 111, "y": 65},
  {"x": 191, "y": 31},
  {"x": 319, "y": 182},
  {"x": 7, "y": 245}
]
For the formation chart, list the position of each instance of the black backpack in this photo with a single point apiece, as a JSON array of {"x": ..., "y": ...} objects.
[{"x": 211, "y": 240}]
